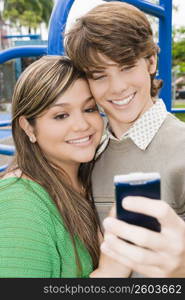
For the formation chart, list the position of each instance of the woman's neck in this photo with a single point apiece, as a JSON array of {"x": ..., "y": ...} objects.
[{"x": 72, "y": 172}]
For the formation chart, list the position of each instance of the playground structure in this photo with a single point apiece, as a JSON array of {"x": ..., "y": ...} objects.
[{"x": 55, "y": 46}]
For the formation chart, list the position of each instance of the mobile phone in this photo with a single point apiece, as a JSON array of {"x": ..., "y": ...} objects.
[{"x": 137, "y": 184}]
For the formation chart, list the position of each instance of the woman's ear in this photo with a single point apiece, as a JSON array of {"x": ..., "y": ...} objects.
[
  {"x": 152, "y": 64},
  {"x": 28, "y": 129}
]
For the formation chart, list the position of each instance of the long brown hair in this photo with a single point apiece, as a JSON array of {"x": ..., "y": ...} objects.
[
  {"x": 36, "y": 89},
  {"x": 115, "y": 29}
]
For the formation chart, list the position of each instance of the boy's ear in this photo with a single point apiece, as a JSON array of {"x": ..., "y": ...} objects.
[
  {"x": 28, "y": 129},
  {"x": 152, "y": 64}
]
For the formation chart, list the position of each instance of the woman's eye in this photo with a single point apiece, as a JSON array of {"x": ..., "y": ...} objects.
[
  {"x": 91, "y": 109},
  {"x": 61, "y": 116}
]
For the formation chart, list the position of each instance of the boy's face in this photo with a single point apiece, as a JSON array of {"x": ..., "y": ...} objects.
[{"x": 123, "y": 92}]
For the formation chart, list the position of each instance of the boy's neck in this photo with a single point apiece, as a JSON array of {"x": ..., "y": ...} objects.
[{"x": 118, "y": 131}]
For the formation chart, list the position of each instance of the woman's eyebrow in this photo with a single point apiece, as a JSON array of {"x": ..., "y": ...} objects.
[
  {"x": 96, "y": 71},
  {"x": 64, "y": 104}
]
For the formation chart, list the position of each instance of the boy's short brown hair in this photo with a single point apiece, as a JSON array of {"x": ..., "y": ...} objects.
[{"x": 117, "y": 30}]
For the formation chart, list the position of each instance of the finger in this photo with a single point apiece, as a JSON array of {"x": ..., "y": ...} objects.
[
  {"x": 150, "y": 271},
  {"x": 135, "y": 234},
  {"x": 146, "y": 263},
  {"x": 156, "y": 208},
  {"x": 145, "y": 270},
  {"x": 137, "y": 255}
]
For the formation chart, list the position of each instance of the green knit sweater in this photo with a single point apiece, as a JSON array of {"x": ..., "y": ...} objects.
[{"x": 33, "y": 239}]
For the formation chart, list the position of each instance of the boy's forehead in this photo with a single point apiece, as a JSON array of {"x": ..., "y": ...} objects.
[
  {"x": 97, "y": 61},
  {"x": 102, "y": 63}
]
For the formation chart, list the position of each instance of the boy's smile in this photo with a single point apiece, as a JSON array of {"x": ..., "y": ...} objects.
[{"x": 124, "y": 101}]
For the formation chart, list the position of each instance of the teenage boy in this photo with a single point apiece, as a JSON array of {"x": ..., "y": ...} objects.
[{"x": 113, "y": 43}]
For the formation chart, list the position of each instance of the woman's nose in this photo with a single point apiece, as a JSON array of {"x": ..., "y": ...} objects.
[{"x": 80, "y": 123}]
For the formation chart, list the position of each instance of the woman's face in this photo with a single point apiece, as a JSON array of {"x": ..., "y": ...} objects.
[{"x": 70, "y": 130}]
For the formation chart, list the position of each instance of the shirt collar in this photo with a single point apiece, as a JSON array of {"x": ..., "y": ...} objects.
[{"x": 143, "y": 130}]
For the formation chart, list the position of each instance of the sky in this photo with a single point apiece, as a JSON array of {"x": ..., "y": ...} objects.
[{"x": 178, "y": 18}]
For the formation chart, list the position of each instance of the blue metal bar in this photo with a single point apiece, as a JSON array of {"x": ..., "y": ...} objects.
[
  {"x": 31, "y": 36},
  {"x": 149, "y": 8},
  {"x": 3, "y": 168},
  {"x": 165, "y": 56},
  {"x": 5, "y": 123},
  {"x": 23, "y": 51},
  {"x": 57, "y": 25},
  {"x": 177, "y": 110},
  {"x": 7, "y": 150}
]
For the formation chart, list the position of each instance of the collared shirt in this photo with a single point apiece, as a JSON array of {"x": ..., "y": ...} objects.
[{"x": 143, "y": 130}]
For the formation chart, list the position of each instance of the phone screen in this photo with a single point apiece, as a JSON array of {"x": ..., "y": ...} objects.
[{"x": 134, "y": 185}]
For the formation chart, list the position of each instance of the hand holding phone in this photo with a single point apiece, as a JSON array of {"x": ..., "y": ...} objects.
[{"x": 137, "y": 184}]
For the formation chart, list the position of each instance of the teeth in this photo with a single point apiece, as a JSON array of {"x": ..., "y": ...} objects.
[
  {"x": 84, "y": 140},
  {"x": 125, "y": 101}
]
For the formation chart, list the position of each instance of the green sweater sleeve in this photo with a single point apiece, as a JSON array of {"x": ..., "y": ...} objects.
[{"x": 27, "y": 236}]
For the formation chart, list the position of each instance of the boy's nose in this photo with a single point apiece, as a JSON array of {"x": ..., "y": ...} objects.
[{"x": 117, "y": 86}]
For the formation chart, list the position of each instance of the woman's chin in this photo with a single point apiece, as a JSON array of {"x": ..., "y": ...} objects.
[{"x": 86, "y": 158}]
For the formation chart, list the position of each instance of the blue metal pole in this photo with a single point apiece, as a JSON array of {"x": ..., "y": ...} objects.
[
  {"x": 22, "y": 51},
  {"x": 7, "y": 150},
  {"x": 149, "y": 8},
  {"x": 165, "y": 56},
  {"x": 5, "y": 123},
  {"x": 177, "y": 110},
  {"x": 31, "y": 36},
  {"x": 3, "y": 168},
  {"x": 57, "y": 25}
]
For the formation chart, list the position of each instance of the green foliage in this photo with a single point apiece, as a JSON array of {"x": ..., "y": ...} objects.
[
  {"x": 28, "y": 13},
  {"x": 178, "y": 48},
  {"x": 180, "y": 116}
]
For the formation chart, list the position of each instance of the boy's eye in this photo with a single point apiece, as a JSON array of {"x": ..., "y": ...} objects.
[
  {"x": 91, "y": 109},
  {"x": 61, "y": 116},
  {"x": 126, "y": 68},
  {"x": 95, "y": 75},
  {"x": 99, "y": 77}
]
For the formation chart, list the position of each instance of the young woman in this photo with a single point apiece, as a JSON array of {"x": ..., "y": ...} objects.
[{"x": 49, "y": 224}]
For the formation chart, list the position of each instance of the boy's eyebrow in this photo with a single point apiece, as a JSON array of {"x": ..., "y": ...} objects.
[
  {"x": 88, "y": 99},
  {"x": 102, "y": 69}
]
